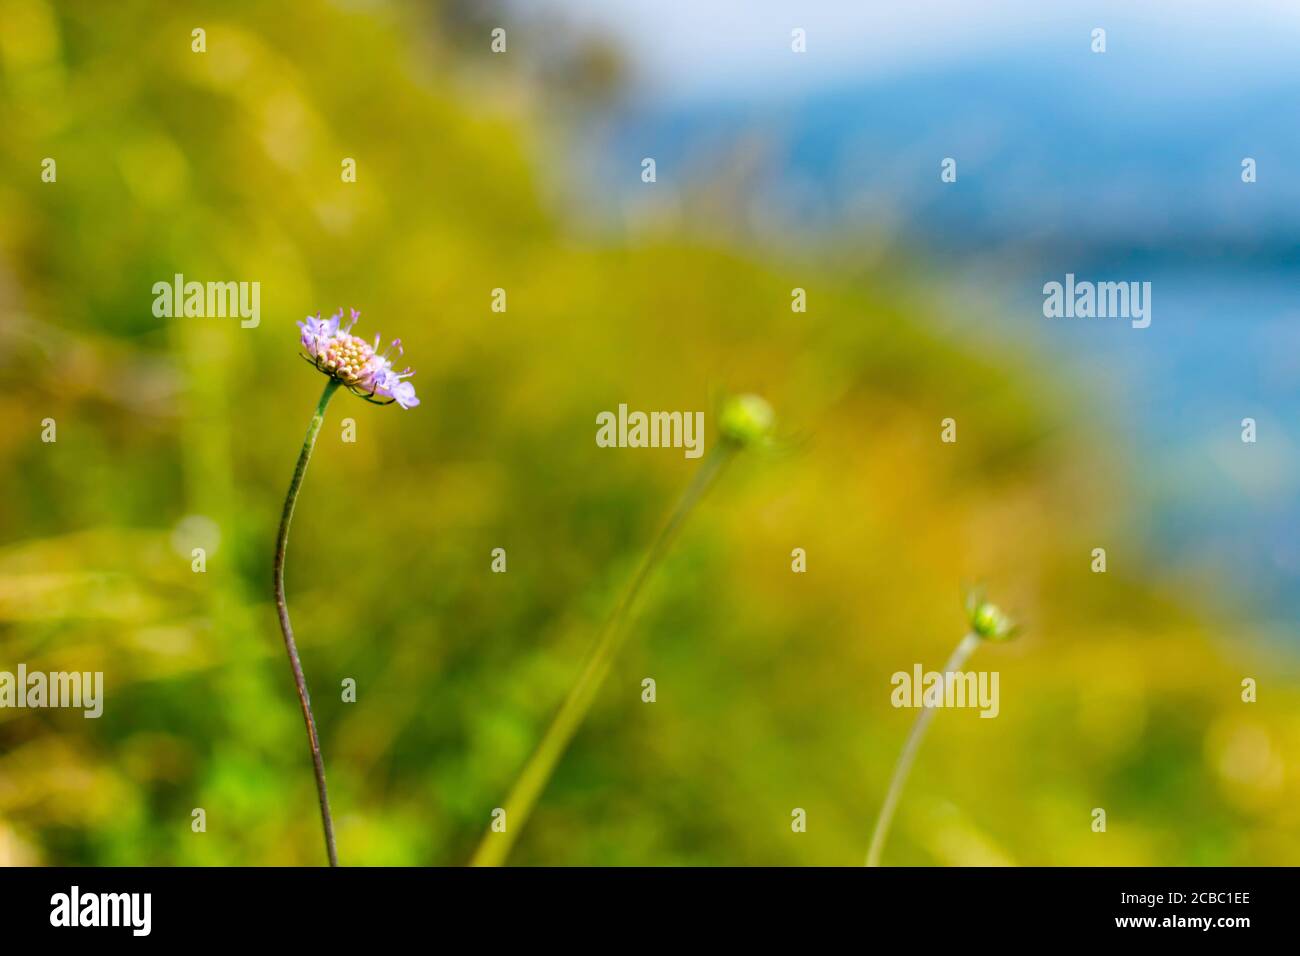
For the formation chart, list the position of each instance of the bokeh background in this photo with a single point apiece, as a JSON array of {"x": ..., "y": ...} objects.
[{"x": 775, "y": 171}]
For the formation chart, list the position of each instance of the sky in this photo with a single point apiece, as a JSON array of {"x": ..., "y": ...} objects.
[{"x": 741, "y": 48}]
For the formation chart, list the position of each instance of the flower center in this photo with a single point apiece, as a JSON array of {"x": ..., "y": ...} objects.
[{"x": 347, "y": 357}]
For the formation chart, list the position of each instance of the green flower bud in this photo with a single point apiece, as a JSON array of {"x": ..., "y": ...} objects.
[
  {"x": 746, "y": 420},
  {"x": 989, "y": 622}
]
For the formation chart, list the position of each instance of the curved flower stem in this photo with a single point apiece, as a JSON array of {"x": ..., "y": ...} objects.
[
  {"x": 495, "y": 847},
  {"x": 281, "y": 543},
  {"x": 964, "y": 649}
]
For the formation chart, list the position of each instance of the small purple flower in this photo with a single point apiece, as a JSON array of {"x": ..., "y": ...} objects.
[
  {"x": 316, "y": 330},
  {"x": 404, "y": 395},
  {"x": 389, "y": 384},
  {"x": 354, "y": 362}
]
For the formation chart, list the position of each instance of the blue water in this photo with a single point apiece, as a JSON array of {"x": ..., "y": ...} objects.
[{"x": 1113, "y": 169}]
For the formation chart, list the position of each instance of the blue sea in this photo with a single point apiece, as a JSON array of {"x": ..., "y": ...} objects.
[{"x": 1115, "y": 169}]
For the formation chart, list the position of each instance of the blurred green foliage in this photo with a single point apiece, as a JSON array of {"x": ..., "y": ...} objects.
[{"x": 773, "y": 687}]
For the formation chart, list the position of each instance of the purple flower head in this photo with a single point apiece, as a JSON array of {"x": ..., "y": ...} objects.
[{"x": 354, "y": 362}]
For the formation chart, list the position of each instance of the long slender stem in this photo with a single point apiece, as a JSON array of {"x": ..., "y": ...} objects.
[
  {"x": 281, "y": 543},
  {"x": 904, "y": 766},
  {"x": 495, "y": 847}
]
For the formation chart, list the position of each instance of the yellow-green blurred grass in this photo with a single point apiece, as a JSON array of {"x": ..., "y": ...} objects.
[{"x": 773, "y": 688}]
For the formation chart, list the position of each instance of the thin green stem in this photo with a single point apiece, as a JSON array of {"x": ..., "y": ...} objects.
[
  {"x": 495, "y": 847},
  {"x": 964, "y": 649},
  {"x": 281, "y": 544}
]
